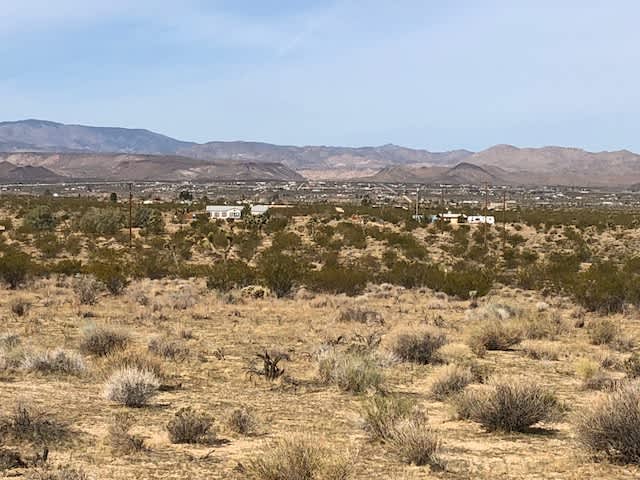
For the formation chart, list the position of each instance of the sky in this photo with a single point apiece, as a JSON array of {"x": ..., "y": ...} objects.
[{"x": 426, "y": 74}]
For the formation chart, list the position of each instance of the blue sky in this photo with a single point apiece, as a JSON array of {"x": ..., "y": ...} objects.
[{"x": 429, "y": 74}]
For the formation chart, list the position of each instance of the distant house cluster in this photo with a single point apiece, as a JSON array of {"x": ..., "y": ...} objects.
[
  {"x": 457, "y": 218},
  {"x": 234, "y": 212}
]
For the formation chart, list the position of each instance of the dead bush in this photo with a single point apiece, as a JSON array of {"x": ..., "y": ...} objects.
[
  {"x": 168, "y": 348},
  {"x": 190, "y": 426},
  {"x": 419, "y": 347},
  {"x": 87, "y": 289},
  {"x": 450, "y": 380},
  {"x": 359, "y": 315},
  {"x": 131, "y": 387},
  {"x": 120, "y": 440},
  {"x": 493, "y": 335},
  {"x": 351, "y": 372},
  {"x": 610, "y": 426},
  {"x": 298, "y": 458},
  {"x": 26, "y": 423},
  {"x": 509, "y": 404},
  {"x": 241, "y": 420},
  {"x": 54, "y": 362},
  {"x": 183, "y": 299},
  {"x": 102, "y": 340},
  {"x": 20, "y": 306}
]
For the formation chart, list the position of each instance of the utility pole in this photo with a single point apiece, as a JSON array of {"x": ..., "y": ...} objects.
[
  {"x": 504, "y": 219},
  {"x": 130, "y": 214},
  {"x": 417, "y": 202}
]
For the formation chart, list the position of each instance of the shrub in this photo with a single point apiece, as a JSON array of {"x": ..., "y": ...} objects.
[
  {"x": 419, "y": 347},
  {"x": 189, "y": 426},
  {"x": 120, "y": 439},
  {"x": 298, "y": 458},
  {"x": 124, "y": 359},
  {"x": 541, "y": 350},
  {"x": 168, "y": 348},
  {"x": 230, "y": 274},
  {"x": 102, "y": 340},
  {"x": 359, "y": 315},
  {"x": 183, "y": 299},
  {"x": 415, "y": 442},
  {"x": 351, "y": 372},
  {"x": 602, "y": 331},
  {"x": 631, "y": 365},
  {"x": 112, "y": 273},
  {"x": 60, "y": 473},
  {"x": 510, "y": 405},
  {"x": 40, "y": 218},
  {"x": 493, "y": 335},
  {"x": 131, "y": 387},
  {"x": 611, "y": 425},
  {"x": 149, "y": 220},
  {"x": 451, "y": 380},
  {"x": 87, "y": 289},
  {"x": 20, "y": 306},
  {"x": 15, "y": 267},
  {"x": 381, "y": 412},
  {"x": 242, "y": 421},
  {"x": 338, "y": 279},
  {"x": 28, "y": 424},
  {"x": 105, "y": 221},
  {"x": 279, "y": 272},
  {"x": 54, "y": 361}
]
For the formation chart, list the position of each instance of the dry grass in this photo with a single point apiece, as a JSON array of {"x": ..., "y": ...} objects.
[
  {"x": 54, "y": 362},
  {"x": 102, "y": 340},
  {"x": 451, "y": 379},
  {"x": 131, "y": 387},
  {"x": 419, "y": 347},
  {"x": 352, "y": 372}
]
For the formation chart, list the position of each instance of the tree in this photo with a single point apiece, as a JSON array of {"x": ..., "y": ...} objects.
[
  {"x": 40, "y": 218},
  {"x": 185, "y": 195},
  {"x": 113, "y": 198},
  {"x": 279, "y": 272},
  {"x": 149, "y": 219},
  {"x": 15, "y": 266}
]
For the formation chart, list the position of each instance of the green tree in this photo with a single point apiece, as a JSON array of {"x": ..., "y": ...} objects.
[
  {"x": 40, "y": 218},
  {"x": 15, "y": 267},
  {"x": 113, "y": 198},
  {"x": 279, "y": 272}
]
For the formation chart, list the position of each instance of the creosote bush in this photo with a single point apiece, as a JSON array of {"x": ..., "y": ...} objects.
[
  {"x": 190, "y": 426},
  {"x": 509, "y": 404},
  {"x": 241, "y": 420},
  {"x": 298, "y": 458},
  {"x": 102, "y": 340},
  {"x": 168, "y": 348},
  {"x": 419, "y": 347},
  {"x": 87, "y": 289},
  {"x": 131, "y": 387},
  {"x": 450, "y": 380},
  {"x": 415, "y": 442},
  {"x": 25, "y": 423},
  {"x": 603, "y": 331},
  {"x": 20, "y": 306},
  {"x": 610, "y": 427}
]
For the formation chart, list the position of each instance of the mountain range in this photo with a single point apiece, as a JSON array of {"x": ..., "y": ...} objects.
[{"x": 38, "y": 151}]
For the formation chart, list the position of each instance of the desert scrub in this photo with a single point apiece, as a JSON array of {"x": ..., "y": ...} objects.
[
  {"x": 25, "y": 423},
  {"x": 298, "y": 458},
  {"x": 541, "y": 349},
  {"x": 190, "y": 426},
  {"x": 603, "y": 331},
  {"x": 493, "y": 335},
  {"x": 243, "y": 421},
  {"x": 359, "y": 315},
  {"x": 59, "y": 473},
  {"x": 120, "y": 439},
  {"x": 450, "y": 380},
  {"x": 415, "y": 442},
  {"x": 509, "y": 404},
  {"x": 19, "y": 306},
  {"x": 54, "y": 361},
  {"x": 419, "y": 347},
  {"x": 352, "y": 372},
  {"x": 132, "y": 359},
  {"x": 610, "y": 426},
  {"x": 168, "y": 348},
  {"x": 381, "y": 412},
  {"x": 102, "y": 340},
  {"x": 131, "y": 387},
  {"x": 87, "y": 289}
]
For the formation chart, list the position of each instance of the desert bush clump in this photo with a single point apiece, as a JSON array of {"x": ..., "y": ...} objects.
[
  {"x": 120, "y": 439},
  {"x": 28, "y": 424},
  {"x": 59, "y": 473},
  {"x": 451, "y": 380},
  {"x": 352, "y": 372},
  {"x": 15, "y": 267},
  {"x": 359, "y": 315},
  {"x": 87, "y": 289},
  {"x": 541, "y": 350},
  {"x": 631, "y": 365},
  {"x": 241, "y": 420},
  {"x": 54, "y": 362},
  {"x": 381, "y": 412},
  {"x": 168, "y": 348},
  {"x": 603, "y": 331},
  {"x": 419, "y": 347},
  {"x": 610, "y": 427},
  {"x": 298, "y": 458},
  {"x": 510, "y": 405},
  {"x": 102, "y": 340},
  {"x": 132, "y": 359},
  {"x": 20, "y": 306},
  {"x": 131, "y": 387},
  {"x": 415, "y": 442},
  {"x": 493, "y": 335},
  {"x": 190, "y": 426}
]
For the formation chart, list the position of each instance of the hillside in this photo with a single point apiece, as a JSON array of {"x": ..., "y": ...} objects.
[
  {"x": 10, "y": 173},
  {"x": 147, "y": 167}
]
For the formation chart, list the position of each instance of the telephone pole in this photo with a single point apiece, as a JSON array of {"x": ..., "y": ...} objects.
[
  {"x": 504, "y": 219},
  {"x": 486, "y": 207},
  {"x": 417, "y": 201},
  {"x": 130, "y": 214}
]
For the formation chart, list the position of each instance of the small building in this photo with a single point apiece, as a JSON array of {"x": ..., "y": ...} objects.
[
  {"x": 453, "y": 218},
  {"x": 217, "y": 212},
  {"x": 259, "y": 210},
  {"x": 478, "y": 219}
]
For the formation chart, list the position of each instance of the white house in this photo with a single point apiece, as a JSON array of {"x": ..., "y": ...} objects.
[
  {"x": 477, "y": 219},
  {"x": 257, "y": 210},
  {"x": 224, "y": 211},
  {"x": 453, "y": 218}
]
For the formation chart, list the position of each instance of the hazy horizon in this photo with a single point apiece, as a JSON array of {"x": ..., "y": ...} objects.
[{"x": 344, "y": 73}]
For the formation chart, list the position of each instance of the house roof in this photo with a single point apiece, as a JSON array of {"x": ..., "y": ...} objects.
[
  {"x": 222, "y": 208},
  {"x": 259, "y": 208}
]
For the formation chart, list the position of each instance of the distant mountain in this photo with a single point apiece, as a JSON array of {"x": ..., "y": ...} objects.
[
  {"x": 78, "y": 146},
  {"x": 103, "y": 166},
  {"x": 10, "y": 173}
]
